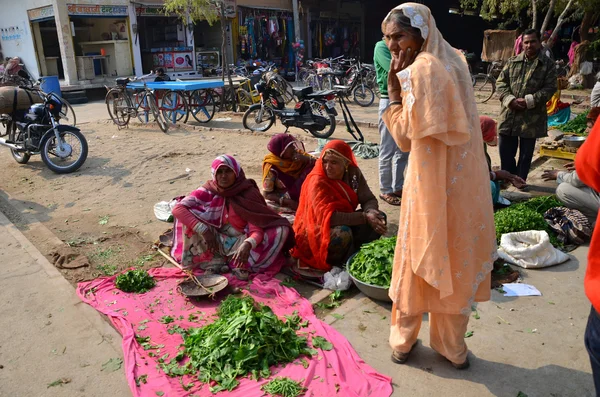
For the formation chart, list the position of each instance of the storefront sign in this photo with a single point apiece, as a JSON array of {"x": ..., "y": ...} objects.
[
  {"x": 41, "y": 13},
  {"x": 150, "y": 11},
  {"x": 96, "y": 10}
]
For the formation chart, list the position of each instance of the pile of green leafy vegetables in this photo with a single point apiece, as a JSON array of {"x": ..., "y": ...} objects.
[
  {"x": 284, "y": 387},
  {"x": 374, "y": 262},
  {"x": 576, "y": 126},
  {"x": 527, "y": 215},
  {"x": 135, "y": 280},
  {"x": 247, "y": 338}
]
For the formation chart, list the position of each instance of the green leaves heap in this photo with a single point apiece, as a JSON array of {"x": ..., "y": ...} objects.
[
  {"x": 576, "y": 126},
  {"x": 284, "y": 387},
  {"x": 528, "y": 215},
  {"x": 373, "y": 263},
  {"x": 247, "y": 338},
  {"x": 135, "y": 281}
]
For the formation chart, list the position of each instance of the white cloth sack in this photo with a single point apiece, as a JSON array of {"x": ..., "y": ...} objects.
[
  {"x": 163, "y": 211},
  {"x": 337, "y": 279},
  {"x": 586, "y": 68},
  {"x": 530, "y": 249}
]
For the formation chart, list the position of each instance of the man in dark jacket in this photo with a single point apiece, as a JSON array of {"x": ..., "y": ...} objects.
[{"x": 526, "y": 83}]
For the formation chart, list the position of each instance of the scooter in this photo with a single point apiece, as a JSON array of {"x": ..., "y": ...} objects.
[{"x": 315, "y": 111}]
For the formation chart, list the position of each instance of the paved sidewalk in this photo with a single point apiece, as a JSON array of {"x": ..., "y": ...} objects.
[{"x": 47, "y": 333}]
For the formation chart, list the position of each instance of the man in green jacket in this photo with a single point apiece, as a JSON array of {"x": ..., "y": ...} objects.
[
  {"x": 392, "y": 161},
  {"x": 526, "y": 83}
]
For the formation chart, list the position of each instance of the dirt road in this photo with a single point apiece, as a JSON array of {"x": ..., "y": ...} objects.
[{"x": 105, "y": 210}]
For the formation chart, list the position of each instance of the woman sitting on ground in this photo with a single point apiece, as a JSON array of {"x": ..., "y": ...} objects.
[
  {"x": 284, "y": 170},
  {"x": 328, "y": 226},
  {"x": 490, "y": 138},
  {"x": 226, "y": 223}
]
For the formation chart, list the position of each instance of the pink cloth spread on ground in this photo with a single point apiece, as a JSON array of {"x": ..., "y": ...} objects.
[{"x": 338, "y": 372}]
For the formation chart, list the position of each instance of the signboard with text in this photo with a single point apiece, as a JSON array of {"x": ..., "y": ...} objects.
[
  {"x": 41, "y": 13},
  {"x": 96, "y": 10}
]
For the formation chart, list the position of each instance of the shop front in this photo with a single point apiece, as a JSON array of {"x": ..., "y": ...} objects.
[
  {"x": 333, "y": 34},
  {"x": 164, "y": 41},
  {"x": 266, "y": 35},
  {"x": 100, "y": 40},
  {"x": 45, "y": 37}
]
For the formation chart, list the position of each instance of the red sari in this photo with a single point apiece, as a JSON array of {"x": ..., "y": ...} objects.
[{"x": 319, "y": 199}]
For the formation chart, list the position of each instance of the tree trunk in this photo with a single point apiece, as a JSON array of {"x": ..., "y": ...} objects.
[
  {"x": 589, "y": 19},
  {"x": 549, "y": 14},
  {"x": 225, "y": 68},
  {"x": 561, "y": 20},
  {"x": 534, "y": 14}
]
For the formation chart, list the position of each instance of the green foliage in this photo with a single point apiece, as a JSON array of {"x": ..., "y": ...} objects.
[
  {"x": 319, "y": 342},
  {"x": 373, "y": 263},
  {"x": 528, "y": 215},
  {"x": 247, "y": 338},
  {"x": 196, "y": 10},
  {"x": 284, "y": 387},
  {"x": 576, "y": 126},
  {"x": 135, "y": 281}
]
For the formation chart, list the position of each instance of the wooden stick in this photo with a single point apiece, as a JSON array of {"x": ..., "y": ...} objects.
[{"x": 169, "y": 258}]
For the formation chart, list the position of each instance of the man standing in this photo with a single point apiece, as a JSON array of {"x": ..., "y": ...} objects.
[
  {"x": 525, "y": 84},
  {"x": 392, "y": 161}
]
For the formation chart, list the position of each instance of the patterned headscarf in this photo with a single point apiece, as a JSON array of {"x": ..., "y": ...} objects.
[{"x": 224, "y": 160}]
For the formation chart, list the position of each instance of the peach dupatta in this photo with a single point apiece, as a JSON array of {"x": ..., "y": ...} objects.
[{"x": 446, "y": 239}]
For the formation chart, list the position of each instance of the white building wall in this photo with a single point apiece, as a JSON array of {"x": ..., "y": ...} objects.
[{"x": 20, "y": 44}]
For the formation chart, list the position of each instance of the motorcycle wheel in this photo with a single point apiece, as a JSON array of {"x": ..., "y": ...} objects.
[
  {"x": 255, "y": 121},
  {"x": 363, "y": 96},
  {"x": 79, "y": 152},
  {"x": 327, "y": 132}
]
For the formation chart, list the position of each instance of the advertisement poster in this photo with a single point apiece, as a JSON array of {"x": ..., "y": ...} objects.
[
  {"x": 168, "y": 60},
  {"x": 183, "y": 60}
]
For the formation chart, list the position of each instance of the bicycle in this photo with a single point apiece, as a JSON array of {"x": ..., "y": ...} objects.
[
  {"x": 121, "y": 106},
  {"x": 484, "y": 85}
]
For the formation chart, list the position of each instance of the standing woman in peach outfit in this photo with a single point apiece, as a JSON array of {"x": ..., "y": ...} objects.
[{"x": 446, "y": 240}]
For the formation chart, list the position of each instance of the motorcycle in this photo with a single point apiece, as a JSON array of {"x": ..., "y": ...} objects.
[
  {"x": 38, "y": 131},
  {"x": 315, "y": 111}
]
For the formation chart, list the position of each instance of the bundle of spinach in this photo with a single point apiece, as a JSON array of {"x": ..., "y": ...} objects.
[
  {"x": 527, "y": 215},
  {"x": 135, "y": 280},
  {"x": 247, "y": 338},
  {"x": 576, "y": 126},
  {"x": 373, "y": 263},
  {"x": 284, "y": 387}
]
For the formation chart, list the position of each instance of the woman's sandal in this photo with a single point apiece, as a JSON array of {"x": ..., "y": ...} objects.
[
  {"x": 399, "y": 357},
  {"x": 391, "y": 199}
]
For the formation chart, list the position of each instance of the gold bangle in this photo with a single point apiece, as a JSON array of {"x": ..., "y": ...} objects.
[{"x": 395, "y": 103}]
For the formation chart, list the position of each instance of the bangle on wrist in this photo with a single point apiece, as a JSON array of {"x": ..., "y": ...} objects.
[{"x": 392, "y": 103}]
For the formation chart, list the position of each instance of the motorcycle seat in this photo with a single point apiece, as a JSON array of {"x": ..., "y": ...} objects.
[
  {"x": 301, "y": 92},
  {"x": 320, "y": 94}
]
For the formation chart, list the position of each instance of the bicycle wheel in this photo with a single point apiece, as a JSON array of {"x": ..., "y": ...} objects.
[
  {"x": 117, "y": 106},
  {"x": 202, "y": 105},
  {"x": 174, "y": 107},
  {"x": 244, "y": 100},
  {"x": 363, "y": 95},
  {"x": 67, "y": 114},
  {"x": 144, "y": 113},
  {"x": 483, "y": 88},
  {"x": 158, "y": 117}
]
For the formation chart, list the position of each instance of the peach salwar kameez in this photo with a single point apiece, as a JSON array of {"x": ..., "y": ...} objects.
[{"x": 446, "y": 239}]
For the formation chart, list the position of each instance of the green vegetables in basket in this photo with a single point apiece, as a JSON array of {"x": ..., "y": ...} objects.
[
  {"x": 374, "y": 262},
  {"x": 135, "y": 280}
]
